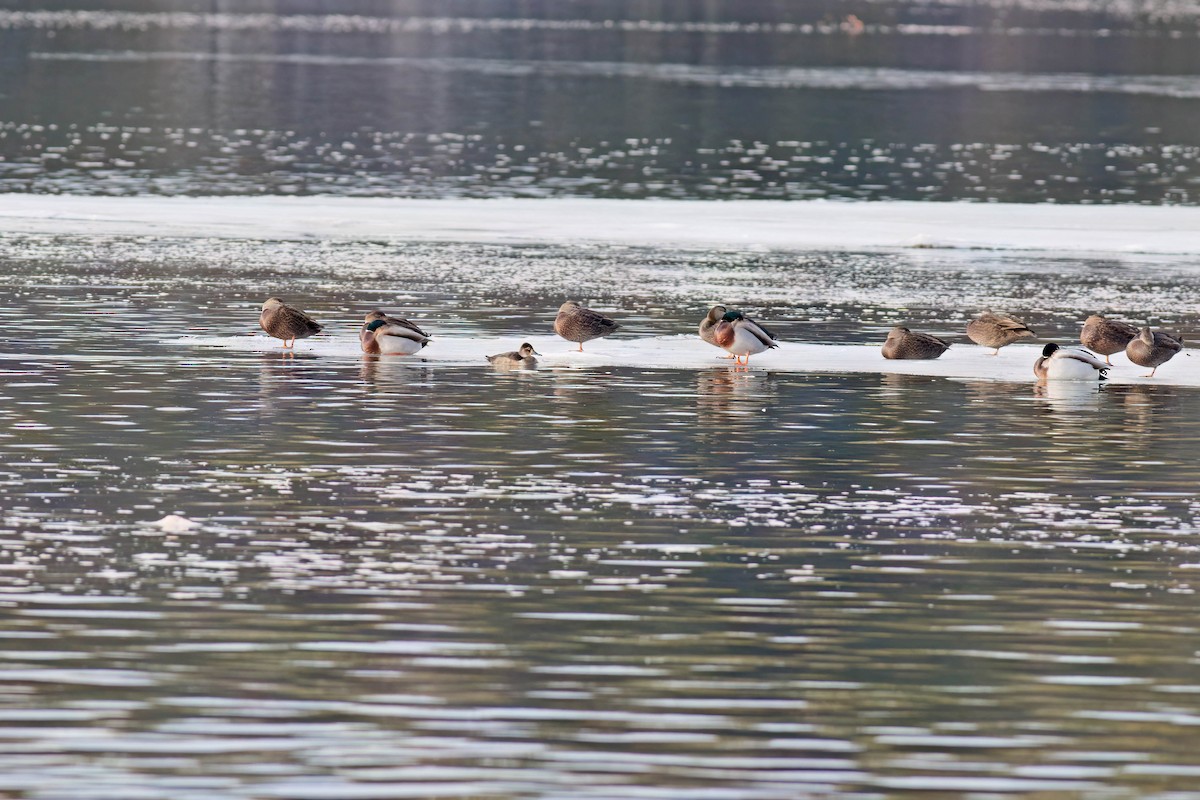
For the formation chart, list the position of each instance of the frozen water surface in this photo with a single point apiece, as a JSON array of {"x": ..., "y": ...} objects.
[{"x": 636, "y": 572}]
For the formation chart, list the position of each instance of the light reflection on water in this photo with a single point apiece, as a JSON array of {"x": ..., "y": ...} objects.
[{"x": 418, "y": 580}]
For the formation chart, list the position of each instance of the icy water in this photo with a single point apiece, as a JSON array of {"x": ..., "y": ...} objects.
[
  {"x": 393, "y": 578},
  {"x": 1029, "y": 100}
]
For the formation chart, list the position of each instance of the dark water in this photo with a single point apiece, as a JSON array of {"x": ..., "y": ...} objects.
[
  {"x": 1034, "y": 100},
  {"x": 406, "y": 579}
]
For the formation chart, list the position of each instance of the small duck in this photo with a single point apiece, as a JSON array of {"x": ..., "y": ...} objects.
[
  {"x": 903, "y": 343},
  {"x": 996, "y": 330},
  {"x": 522, "y": 358},
  {"x": 578, "y": 324},
  {"x": 1153, "y": 349},
  {"x": 1069, "y": 364},
  {"x": 741, "y": 336},
  {"x": 371, "y": 343},
  {"x": 392, "y": 340},
  {"x": 1106, "y": 336},
  {"x": 282, "y": 321}
]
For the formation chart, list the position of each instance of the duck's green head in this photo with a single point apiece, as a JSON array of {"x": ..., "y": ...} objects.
[
  {"x": 1049, "y": 350},
  {"x": 376, "y": 324},
  {"x": 731, "y": 316}
]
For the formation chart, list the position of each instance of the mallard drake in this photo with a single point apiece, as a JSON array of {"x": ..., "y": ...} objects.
[
  {"x": 742, "y": 337},
  {"x": 281, "y": 321},
  {"x": 1068, "y": 364},
  {"x": 370, "y": 342},
  {"x": 523, "y": 358},
  {"x": 903, "y": 343},
  {"x": 708, "y": 325},
  {"x": 996, "y": 330},
  {"x": 1106, "y": 336},
  {"x": 578, "y": 324},
  {"x": 1153, "y": 349},
  {"x": 392, "y": 340}
]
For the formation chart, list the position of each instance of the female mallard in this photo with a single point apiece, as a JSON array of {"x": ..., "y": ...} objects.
[
  {"x": 1068, "y": 364},
  {"x": 996, "y": 330},
  {"x": 742, "y": 337},
  {"x": 1153, "y": 349},
  {"x": 523, "y": 358},
  {"x": 370, "y": 342},
  {"x": 392, "y": 340},
  {"x": 281, "y": 321},
  {"x": 1106, "y": 336},
  {"x": 578, "y": 324},
  {"x": 903, "y": 343}
]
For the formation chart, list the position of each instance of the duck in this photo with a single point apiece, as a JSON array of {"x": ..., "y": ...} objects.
[
  {"x": 1153, "y": 349},
  {"x": 903, "y": 343},
  {"x": 996, "y": 330},
  {"x": 741, "y": 336},
  {"x": 522, "y": 357},
  {"x": 1069, "y": 364},
  {"x": 1106, "y": 336},
  {"x": 392, "y": 340},
  {"x": 578, "y": 324},
  {"x": 369, "y": 340},
  {"x": 708, "y": 326},
  {"x": 282, "y": 321}
]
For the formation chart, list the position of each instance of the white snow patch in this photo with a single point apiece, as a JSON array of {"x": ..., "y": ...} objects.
[
  {"x": 963, "y": 360},
  {"x": 766, "y": 224}
]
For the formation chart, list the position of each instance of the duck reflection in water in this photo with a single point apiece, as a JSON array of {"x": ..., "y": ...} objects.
[
  {"x": 1073, "y": 402},
  {"x": 381, "y": 373},
  {"x": 731, "y": 392}
]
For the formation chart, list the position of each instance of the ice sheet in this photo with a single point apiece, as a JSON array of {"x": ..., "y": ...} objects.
[
  {"x": 687, "y": 352},
  {"x": 763, "y": 225}
]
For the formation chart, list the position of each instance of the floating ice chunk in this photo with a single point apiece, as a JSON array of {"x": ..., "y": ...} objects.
[{"x": 173, "y": 523}]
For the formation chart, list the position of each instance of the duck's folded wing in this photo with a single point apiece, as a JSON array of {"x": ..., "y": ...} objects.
[
  {"x": 406, "y": 324},
  {"x": 1010, "y": 324},
  {"x": 1080, "y": 355},
  {"x": 1172, "y": 341},
  {"x": 404, "y": 333},
  {"x": 752, "y": 327},
  {"x": 763, "y": 328},
  {"x": 297, "y": 321}
]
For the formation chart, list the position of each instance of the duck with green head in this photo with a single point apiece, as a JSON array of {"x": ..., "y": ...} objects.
[
  {"x": 383, "y": 334},
  {"x": 741, "y": 336},
  {"x": 392, "y": 340}
]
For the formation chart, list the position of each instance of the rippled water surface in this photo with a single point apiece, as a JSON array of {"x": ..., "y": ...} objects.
[
  {"x": 1022, "y": 100},
  {"x": 246, "y": 574}
]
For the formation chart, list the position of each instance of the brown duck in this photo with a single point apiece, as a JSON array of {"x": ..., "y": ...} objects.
[
  {"x": 578, "y": 324},
  {"x": 996, "y": 330},
  {"x": 284, "y": 322},
  {"x": 1106, "y": 336},
  {"x": 903, "y": 343},
  {"x": 1153, "y": 350}
]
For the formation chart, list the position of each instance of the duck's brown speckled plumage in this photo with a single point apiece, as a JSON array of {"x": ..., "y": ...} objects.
[
  {"x": 282, "y": 321},
  {"x": 578, "y": 324},
  {"x": 996, "y": 330},
  {"x": 1153, "y": 349},
  {"x": 905, "y": 344},
  {"x": 1106, "y": 336}
]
